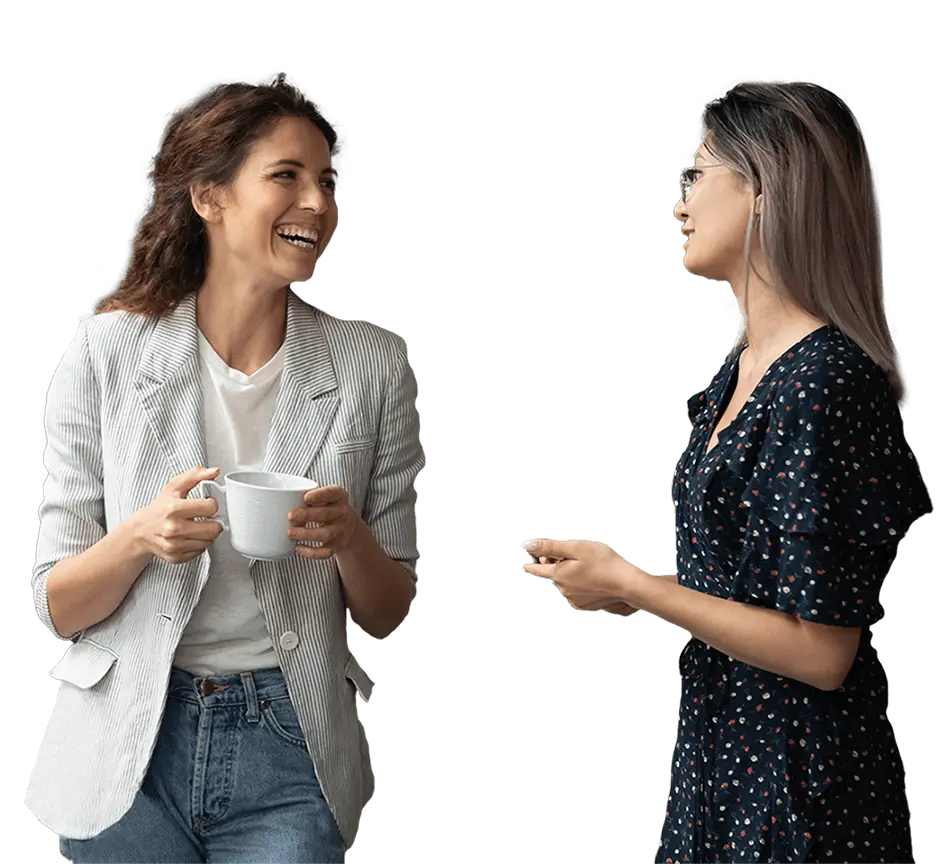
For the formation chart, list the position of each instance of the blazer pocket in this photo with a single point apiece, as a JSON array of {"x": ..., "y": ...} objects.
[
  {"x": 84, "y": 664},
  {"x": 354, "y": 446},
  {"x": 358, "y": 677}
]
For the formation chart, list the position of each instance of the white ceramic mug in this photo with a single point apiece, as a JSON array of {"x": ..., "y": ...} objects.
[{"x": 255, "y": 508}]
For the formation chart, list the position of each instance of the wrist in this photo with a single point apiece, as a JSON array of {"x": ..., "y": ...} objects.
[
  {"x": 132, "y": 528},
  {"x": 636, "y": 584},
  {"x": 357, "y": 534}
]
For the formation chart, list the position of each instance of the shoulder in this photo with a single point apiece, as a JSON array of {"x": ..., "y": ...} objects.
[
  {"x": 118, "y": 324},
  {"x": 833, "y": 405},
  {"x": 836, "y": 434},
  {"x": 830, "y": 380},
  {"x": 360, "y": 341},
  {"x": 117, "y": 333},
  {"x": 110, "y": 339}
]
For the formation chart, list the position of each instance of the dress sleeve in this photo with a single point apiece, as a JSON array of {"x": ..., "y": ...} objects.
[{"x": 836, "y": 488}]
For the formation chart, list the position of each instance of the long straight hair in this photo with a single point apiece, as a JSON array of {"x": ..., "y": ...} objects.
[{"x": 800, "y": 146}]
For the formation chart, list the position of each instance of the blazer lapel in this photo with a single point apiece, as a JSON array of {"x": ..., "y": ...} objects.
[
  {"x": 168, "y": 382},
  {"x": 308, "y": 397}
]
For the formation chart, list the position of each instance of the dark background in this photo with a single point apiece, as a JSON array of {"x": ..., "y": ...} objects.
[{"x": 516, "y": 226}]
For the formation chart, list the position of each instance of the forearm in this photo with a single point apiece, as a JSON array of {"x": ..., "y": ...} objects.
[
  {"x": 766, "y": 638},
  {"x": 379, "y": 590},
  {"x": 84, "y": 589},
  {"x": 668, "y": 577}
]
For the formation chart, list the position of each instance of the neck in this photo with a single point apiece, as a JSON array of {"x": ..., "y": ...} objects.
[
  {"x": 772, "y": 330},
  {"x": 774, "y": 323},
  {"x": 243, "y": 324}
]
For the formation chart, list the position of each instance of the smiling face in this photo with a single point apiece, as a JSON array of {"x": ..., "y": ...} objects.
[
  {"x": 715, "y": 218},
  {"x": 275, "y": 220}
]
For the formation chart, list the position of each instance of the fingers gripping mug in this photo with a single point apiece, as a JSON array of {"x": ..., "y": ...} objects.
[{"x": 255, "y": 507}]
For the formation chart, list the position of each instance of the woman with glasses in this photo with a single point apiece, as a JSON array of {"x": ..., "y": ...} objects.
[
  {"x": 790, "y": 502},
  {"x": 791, "y": 498}
]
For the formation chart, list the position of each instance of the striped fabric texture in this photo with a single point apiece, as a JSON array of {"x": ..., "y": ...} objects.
[{"x": 124, "y": 416}]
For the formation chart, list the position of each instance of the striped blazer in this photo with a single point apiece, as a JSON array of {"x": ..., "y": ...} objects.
[{"x": 123, "y": 415}]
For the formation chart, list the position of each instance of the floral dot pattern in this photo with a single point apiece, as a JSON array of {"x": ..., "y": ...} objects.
[{"x": 799, "y": 507}]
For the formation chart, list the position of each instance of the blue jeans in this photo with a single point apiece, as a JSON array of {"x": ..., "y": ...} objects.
[{"x": 230, "y": 781}]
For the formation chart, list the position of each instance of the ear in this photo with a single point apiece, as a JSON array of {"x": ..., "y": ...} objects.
[
  {"x": 758, "y": 202},
  {"x": 204, "y": 198}
]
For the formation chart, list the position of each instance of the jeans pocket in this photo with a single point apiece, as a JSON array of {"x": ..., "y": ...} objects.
[{"x": 280, "y": 717}]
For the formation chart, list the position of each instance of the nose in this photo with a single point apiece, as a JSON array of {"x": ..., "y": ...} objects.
[
  {"x": 313, "y": 198},
  {"x": 680, "y": 212}
]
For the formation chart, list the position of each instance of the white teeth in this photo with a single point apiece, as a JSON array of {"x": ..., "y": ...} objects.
[
  {"x": 310, "y": 235},
  {"x": 303, "y": 244}
]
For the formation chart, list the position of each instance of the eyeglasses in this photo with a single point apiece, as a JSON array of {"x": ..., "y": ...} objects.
[{"x": 690, "y": 175}]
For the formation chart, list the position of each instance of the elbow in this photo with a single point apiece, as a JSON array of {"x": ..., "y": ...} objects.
[
  {"x": 41, "y": 599},
  {"x": 834, "y": 681},
  {"x": 373, "y": 622},
  {"x": 379, "y": 629},
  {"x": 830, "y": 654},
  {"x": 382, "y": 628},
  {"x": 397, "y": 616},
  {"x": 52, "y": 627},
  {"x": 831, "y": 679},
  {"x": 822, "y": 679}
]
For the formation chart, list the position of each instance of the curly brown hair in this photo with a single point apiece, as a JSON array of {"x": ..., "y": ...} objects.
[{"x": 204, "y": 142}]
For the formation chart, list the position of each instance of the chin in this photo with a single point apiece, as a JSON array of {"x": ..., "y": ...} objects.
[{"x": 705, "y": 269}]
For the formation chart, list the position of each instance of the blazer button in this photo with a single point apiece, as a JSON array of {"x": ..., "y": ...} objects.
[{"x": 289, "y": 640}]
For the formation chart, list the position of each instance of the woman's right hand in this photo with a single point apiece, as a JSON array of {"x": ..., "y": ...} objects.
[
  {"x": 166, "y": 527},
  {"x": 615, "y": 608}
]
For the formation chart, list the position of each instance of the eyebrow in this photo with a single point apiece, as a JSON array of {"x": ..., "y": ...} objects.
[{"x": 296, "y": 164}]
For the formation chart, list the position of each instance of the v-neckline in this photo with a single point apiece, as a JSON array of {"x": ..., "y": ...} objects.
[
  {"x": 726, "y": 394},
  {"x": 732, "y": 378}
]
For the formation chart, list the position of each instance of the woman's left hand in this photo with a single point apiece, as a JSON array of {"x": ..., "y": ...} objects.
[
  {"x": 327, "y": 518},
  {"x": 589, "y": 575}
]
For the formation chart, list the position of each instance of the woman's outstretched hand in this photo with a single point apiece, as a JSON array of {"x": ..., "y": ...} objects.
[
  {"x": 590, "y": 576},
  {"x": 616, "y": 608}
]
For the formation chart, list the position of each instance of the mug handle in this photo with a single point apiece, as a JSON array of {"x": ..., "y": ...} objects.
[{"x": 222, "y": 491}]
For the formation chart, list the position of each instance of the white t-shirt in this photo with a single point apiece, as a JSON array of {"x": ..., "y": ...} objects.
[{"x": 227, "y": 632}]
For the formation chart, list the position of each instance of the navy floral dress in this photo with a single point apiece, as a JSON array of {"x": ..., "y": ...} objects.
[{"x": 800, "y": 507}]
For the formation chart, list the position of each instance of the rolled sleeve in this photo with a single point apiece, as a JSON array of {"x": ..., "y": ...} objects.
[
  {"x": 72, "y": 515},
  {"x": 390, "y": 504}
]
